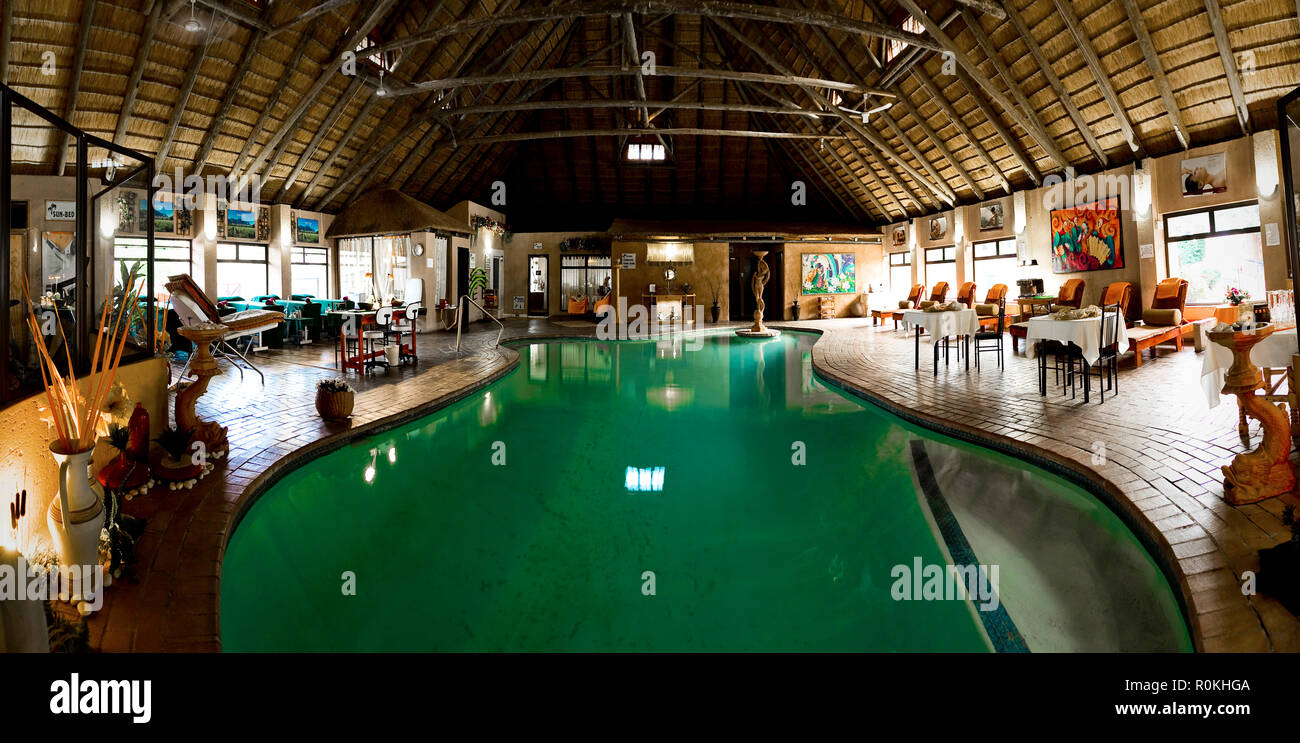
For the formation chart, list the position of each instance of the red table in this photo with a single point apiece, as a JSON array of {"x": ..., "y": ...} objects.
[{"x": 354, "y": 323}]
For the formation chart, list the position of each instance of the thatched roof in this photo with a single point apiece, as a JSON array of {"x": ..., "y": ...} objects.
[
  {"x": 483, "y": 91},
  {"x": 707, "y": 230},
  {"x": 387, "y": 211}
]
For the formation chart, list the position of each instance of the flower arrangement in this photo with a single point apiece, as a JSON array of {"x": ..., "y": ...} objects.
[
  {"x": 78, "y": 419},
  {"x": 584, "y": 245},
  {"x": 334, "y": 385},
  {"x": 480, "y": 222},
  {"x": 1236, "y": 296}
]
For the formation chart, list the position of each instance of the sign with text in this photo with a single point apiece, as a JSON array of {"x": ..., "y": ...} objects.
[
  {"x": 60, "y": 211},
  {"x": 629, "y": 261}
]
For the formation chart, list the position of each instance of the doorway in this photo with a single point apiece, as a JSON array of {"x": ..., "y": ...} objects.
[
  {"x": 741, "y": 266},
  {"x": 462, "y": 281},
  {"x": 539, "y": 267}
]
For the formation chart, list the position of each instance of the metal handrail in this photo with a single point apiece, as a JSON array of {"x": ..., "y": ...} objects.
[{"x": 460, "y": 307}]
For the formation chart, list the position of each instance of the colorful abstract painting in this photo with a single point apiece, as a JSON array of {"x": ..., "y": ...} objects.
[
  {"x": 1087, "y": 237},
  {"x": 829, "y": 273}
]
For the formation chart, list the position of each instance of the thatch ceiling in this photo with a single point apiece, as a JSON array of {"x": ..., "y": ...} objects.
[{"x": 1083, "y": 83}]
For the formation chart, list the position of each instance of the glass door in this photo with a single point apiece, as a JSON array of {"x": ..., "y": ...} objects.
[{"x": 538, "y": 275}]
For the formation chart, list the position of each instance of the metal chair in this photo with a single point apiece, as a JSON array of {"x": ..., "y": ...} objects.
[
  {"x": 1107, "y": 364},
  {"x": 992, "y": 340},
  {"x": 380, "y": 329}
]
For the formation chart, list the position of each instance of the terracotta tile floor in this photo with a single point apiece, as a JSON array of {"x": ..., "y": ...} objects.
[{"x": 1163, "y": 452}]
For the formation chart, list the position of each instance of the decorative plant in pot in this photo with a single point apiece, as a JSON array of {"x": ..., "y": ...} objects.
[
  {"x": 177, "y": 466},
  {"x": 716, "y": 309},
  {"x": 1279, "y": 567},
  {"x": 75, "y": 517},
  {"x": 335, "y": 399}
]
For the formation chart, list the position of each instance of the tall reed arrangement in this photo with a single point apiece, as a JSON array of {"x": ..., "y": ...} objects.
[{"x": 77, "y": 417}]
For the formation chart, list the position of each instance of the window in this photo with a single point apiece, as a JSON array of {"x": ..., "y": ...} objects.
[
  {"x": 894, "y": 47},
  {"x": 371, "y": 267},
  {"x": 900, "y": 274},
  {"x": 242, "y": 270},
  {"x": 584, "y": 276},
  {"x": 994, "y": 262},
  {"x": 440, "y": 246},
  {"x": 1215, "y": 249},
  {"x": 171, "y": 257},
  {"x": 309, "y": 271},
  {"x": 941, "y": 265},
  {"x": 646, "y": 152}
]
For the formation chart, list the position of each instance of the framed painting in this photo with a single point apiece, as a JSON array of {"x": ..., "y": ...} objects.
[
  {"x": 241, "y": 224},
  {"x": 991, "y": 217},
  {"x": 900, "y": 234},
  {"x": 829, "y": 273},
  {"x": 938, "y": 228},
  {"x": 1205, "y": 174},
  {"x": 307, "y": 230},
  {"x": 1087, "y": 237}
]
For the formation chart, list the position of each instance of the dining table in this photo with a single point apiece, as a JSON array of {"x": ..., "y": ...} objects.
[
  {"x": 1082, "y": 337},
  {"x": 352, "y": 324},
  {"x": 944, "y": 324}
]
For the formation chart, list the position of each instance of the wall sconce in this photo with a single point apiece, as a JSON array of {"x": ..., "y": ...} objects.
[
  {"x": 1141, "y": 188},
  {"x": 958, "y": 226},
  {"x": 1018, "y": 217},
  {"x": 1266, "y": 165}
]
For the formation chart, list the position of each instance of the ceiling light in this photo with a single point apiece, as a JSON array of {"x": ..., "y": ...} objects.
[
  {"x": 381, "y": 91},
  {"x": 192, "y": 24}
]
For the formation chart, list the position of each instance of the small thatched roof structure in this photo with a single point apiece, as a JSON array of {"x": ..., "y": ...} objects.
[{"x": 387, "y": 211}]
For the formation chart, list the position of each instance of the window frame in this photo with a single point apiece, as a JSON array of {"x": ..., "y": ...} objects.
[
  {"x": 265, "y": 261},
  {"x": 304, "y": 249},
  {"x": 1210, "y": 211}
]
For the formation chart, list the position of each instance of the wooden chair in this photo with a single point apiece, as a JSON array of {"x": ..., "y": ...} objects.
[
  {"x": 966, "y": 294},
  {"x": 1171, "y": 295},
  {"x": 937, "y": 295},
  {"x": 913, "y": 299},
  {"x": 997, "y": 294},
  {"x": 1107, "y": 364},
  {"x": 1120, "y": 293}
]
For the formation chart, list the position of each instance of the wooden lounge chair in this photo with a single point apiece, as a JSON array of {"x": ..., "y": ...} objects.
[
  {"x": 193, "y": 306},
  {"x": 1163, "y": 322},
  {"x": 988, "y": 311},
  {"x": 913, "y": 297},
  {"x": 966, "y": 294},
  {"x": 937, "y": 295}
]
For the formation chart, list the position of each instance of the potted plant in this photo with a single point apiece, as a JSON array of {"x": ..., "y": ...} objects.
[
  {"x": 1279, "y": 567},
  {"x": 176, "y": 466},
  {"x": 334, "y": 399},
  {"x": 1236, "y": 296},
  {"x": 715, "y": 310}
]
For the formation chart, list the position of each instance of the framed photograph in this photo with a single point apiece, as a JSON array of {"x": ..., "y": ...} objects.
[
  {"x": 938, "y": 228},
  {"x": 241, "y": 224},
  {"x": 164, "y": 217},
  {"x": 829, "y": 273},
  {"x": 991, "y": 217},
  {"x": 900, "y": 234},
  {"x": 1205, "y": 174},
  {"x": 307, "y": 230},
  {"x": 1087, "y": 237}
]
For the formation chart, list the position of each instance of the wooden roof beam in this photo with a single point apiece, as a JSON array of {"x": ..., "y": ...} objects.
[
  {"x": 317, "y": 10},
  {"x": 703, "y": 8},
  {"x": 6, "y": 37},
  {"x": 228, "y": 100},
  {"x": 238, "y": 13},
  {"x": 995, "y": 120},
  {"x": 1229, "y": 64},
  {"x": 950, "y": 47},
  {"x": 1099, "y": 74},
  {"x": 630, "y": 45},
  {"x": 137, "y": 70},
  {"x": 1157, "y": 71},
  {"x": 74, "y": 89},
  {"x": 1028, "y": 115},
  {"x": 941, "y": 101},
  {"x": 183, "y": 97},
  {"x": 1058, "y": 87}
]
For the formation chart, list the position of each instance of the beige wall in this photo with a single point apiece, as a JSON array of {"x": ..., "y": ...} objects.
[
  {"x": 25, "y": 461},
  {"x": 868, "y": 262},
  {"x": 711, "y": 263}
]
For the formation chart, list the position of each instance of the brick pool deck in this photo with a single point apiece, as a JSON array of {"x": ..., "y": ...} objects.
[{"x": 1161, "y": 470}]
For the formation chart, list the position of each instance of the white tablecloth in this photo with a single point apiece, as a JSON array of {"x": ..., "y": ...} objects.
[
  {"x": 943, "y": 324},
  {"x": 1274, "y": 350},
  {"x": 1082, "y": 333}
]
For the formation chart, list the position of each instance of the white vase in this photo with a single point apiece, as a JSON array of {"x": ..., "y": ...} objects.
[{"x": 76, "y": 517}]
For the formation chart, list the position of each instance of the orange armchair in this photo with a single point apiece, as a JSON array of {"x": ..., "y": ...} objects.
[
  {"x": 1071, "y": 294},
  {"x": 966, "y": 294},
  {"x": 913, "y": 297},
  {"x": 1121, "y": 293},
  {"x": 938, "y": 295}
]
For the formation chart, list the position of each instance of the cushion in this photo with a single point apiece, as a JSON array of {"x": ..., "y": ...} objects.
[
  {"x": 903, "y": 304},
  {"x": 1162, "y": 317},
  {"x": 986, "y": 310},
  {"x": 927, "y": 303},
  {"x": 858, "y": 308}
]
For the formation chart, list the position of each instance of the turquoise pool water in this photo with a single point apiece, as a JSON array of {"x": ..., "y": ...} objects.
[{"x": 707, "y": 493}]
